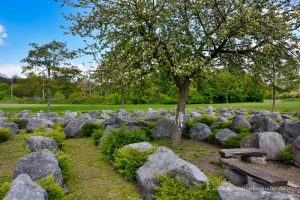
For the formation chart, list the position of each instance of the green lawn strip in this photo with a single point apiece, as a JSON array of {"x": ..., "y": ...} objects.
[
  {"x": 281, "y": 106},
  {"x": 92, "y": 175},
  {"x": 10, "y": 152}
]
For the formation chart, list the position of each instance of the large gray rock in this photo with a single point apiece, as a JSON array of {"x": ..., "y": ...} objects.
[
  {"x": 141, "y": 146},
  {"x": 39, "y": 165},
  {"x": 272, "y": 143},
  {"x": 94, "y": 114},
  {"x": 239, "y": 121},
  {"x": 151, "y": 114},
  {"x": 24, "y": 188},
  {"x": 46, "y": 115},
  {"x": 235, "y": 177},
  {"x": 165, "y": 161},
  {"x": 73, "y": 127},
  {"x": 163, "y": 128},
  {"x": 69, "y": 116},
  {"x": 138, "y": 113},
  {"x": 228, "y": 191},
  {"x": 223, "y": 135},
  {"x": 38, "y": 143},
  {"x": 13, "y": 127},
  {"x": 200, "y": 131},
  {"x": 23, "y": 114},
  {"x": 250, "y": 141},
  {"x": 261, "y": 123},
  {"x": 124, "y": 116},
  {"x": 296, "y": 150},
  {"x": 261, "y": 112},
  {"x": 35, "y": 123},
  {"x": 276, "y": 116},
  {"x": 290, "y": 130}
]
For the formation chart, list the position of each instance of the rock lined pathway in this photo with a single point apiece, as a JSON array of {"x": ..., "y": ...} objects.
[{"x": 92, "y": 176}]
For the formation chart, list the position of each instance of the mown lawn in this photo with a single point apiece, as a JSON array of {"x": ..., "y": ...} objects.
[
  {"x": 92, "y": 176},
  {"x": 281, "y": 106}
]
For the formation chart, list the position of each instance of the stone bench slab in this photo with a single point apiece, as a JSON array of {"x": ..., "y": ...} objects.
[{"x": 241, "y": 152}]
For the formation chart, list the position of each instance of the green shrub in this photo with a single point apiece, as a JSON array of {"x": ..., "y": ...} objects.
[
  {"x": 222, "y": 125},
  {"x": 128, "y": 160},
  {"x": 172, "y": 188},
  {"x": 55, "y": 192},
  {"x": 21, "y": 123},
  {"x": 211, "y": 137},
  {"x": 207, "y": 120},
  {"x": 63, "y": 161},
  {"x": 189, "y": 124},
  {"x": 242, "y": 130},
  {"x": 4, "y": 134},
  {"x": 88, "y": 129},
  {"x": 119, "y": 138},
  {"x": 97, "y": 134},
  {"x": 232, "y": 142},
  {"x": 287, "y": 156},
  {"x": 57, "y": 133},
  {"x": 4, "y": 189},
  {"x": 148, "y": 129}
]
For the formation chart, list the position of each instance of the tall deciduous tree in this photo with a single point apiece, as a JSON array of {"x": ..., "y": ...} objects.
[
  {"x": 45, "y": 59},
  {"x": 184, "y": 36}
]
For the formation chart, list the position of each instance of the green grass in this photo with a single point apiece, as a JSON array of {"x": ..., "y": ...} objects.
[
  {"x": 10, "y": 152},
  {"x": 92, "y": 175},
  {"x": 281, "y": 105}
]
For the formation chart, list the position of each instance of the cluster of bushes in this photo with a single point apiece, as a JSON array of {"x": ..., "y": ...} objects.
[
  {"x": 55, "y": 192},
  {"x": 4, "y": 134},
  {"x": 4, "y": 188},
  {"x": 287, "y": 156},
  {"x": 21, "y": 123}
]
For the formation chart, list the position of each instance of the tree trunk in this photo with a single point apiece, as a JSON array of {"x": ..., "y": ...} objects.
[
  {"x": 123, "y": 97},
  {"x": 49, "y": 89},
  {"x": 226, "y": 98},
  {"x": 183, "y": 86},
  {"x": 273, "y": 96}
]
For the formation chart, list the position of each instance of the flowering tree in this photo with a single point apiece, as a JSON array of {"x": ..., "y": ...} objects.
[{"x": 185, "y": 37}]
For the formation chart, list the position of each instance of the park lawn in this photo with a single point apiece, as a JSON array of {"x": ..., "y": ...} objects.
[
  {"x": 281, "y": 106},
  {"x": 92, "y": 175}
]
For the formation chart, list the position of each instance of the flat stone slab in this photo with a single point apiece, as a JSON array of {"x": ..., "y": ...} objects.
[
  {"x": 261, "y": 175},
  {"x": 241, "y": 152}
]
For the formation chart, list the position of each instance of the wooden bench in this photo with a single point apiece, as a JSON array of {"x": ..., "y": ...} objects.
[
  {"x": 243, "y": 152},
  {"x": 261, "y": 175}
]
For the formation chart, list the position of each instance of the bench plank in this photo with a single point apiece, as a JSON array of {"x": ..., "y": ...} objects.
[
  {"x": 255, "y": 172},
  {"x": 243, "y": 152}
]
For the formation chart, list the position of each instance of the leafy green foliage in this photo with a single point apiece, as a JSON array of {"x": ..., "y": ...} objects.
[
  {"x": 88, "y": 129},
  {"x": 189, "y": 124},
  {"x": 4, "y": 134},
  {"x": 287, "y": 156},
  {"x": 235, "y": 141},
  {"x": 211, "y": 137},
  {"x": 128, "y": 160},
  {"x": 119, "y": 138},
  {"x": 4, "y": 189},
  {"x": 55, "y": 192},
  {"x": 57, "y": 133},
  {"x": 21, "y": 123},
  {"x": 63, "y": 161},
  {"x": 172, "y": 188},
  {"x": 148, "y": 129},
  {"x": 242, "y": 130},
  {"x": 222, "y": 125},
  {"x": 97, "y": 134}
]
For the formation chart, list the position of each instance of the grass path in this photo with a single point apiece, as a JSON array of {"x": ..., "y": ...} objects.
[
  {"x": 92, "y": 176},
  {"x": 10, "y": 152}
]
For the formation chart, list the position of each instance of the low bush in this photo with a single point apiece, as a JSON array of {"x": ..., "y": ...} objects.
[
  {"x": 4, "y": 134},
  {"x": 97, "y": 134},
  {"x": 119, "y": 138},
  {"x": 21, "y": 123},
  {"x": 63, "y": 161},
  {"x": 55, "y": 192},
  {"x": 242, "y": 130},
  {"x": 57, "y": 133},
  {"x": 222, "y": 125},
  {"x": 172, "y": 188},
  {"x": 88, "y": 129},
  {"x": 287, "y": 156},
  {"x": 4, "y": 189},
  {"x": 128, "y": 160},
  {"x": 235, "y": 141},
  {"x": 148, "y": 129},
  {"x": 211, "y": 137},
  {"x": 205, "y": 120}
]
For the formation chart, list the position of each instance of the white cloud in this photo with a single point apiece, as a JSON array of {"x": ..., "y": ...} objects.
[
  {"x": 11, "y": 69},
  {"x": 3, "y": 34}
]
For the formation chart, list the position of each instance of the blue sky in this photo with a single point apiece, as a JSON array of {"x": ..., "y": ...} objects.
[{"x": 26, "y": 21}]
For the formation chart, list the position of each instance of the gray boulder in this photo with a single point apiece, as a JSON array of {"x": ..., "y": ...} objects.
[
  {"x": 250, "y": 141},
  {"x": 199, "y": 131},
  {"x": 141, "y": 146},
  {"x": 124, "y": 116},
  {"x": 138, "y": 113},
  {"x": 196, "y": 115},
  {"x": 69, "y": 116},
  {"x": 46, "y": 115},
  {"x": 285, "y": 116},
  {"x": 39, "y": 165},
  {"x": 23, "y": 114},
  {"x": 228, "y": 191},
  {"x": 38, "y": 143},
  {"x": 113, "y": 120},
  {"x": 261, "y": 112},
  {"x": 35, "y": 123},
  {"x": 73, "y": 127},
  {"x": 151, "y": 114},
  {"x": 235, "y": 177},
  {"x": 276, "y": 116},
  {"x": 290, "y": 130},
  {"x": 223, "y": 135},
  {"x": 13, "y": 127},
  {"x": 228, "y": 115},
  {"x": 166, "y": 161},
  {"x": 94, "y": 114},
  {"x": 296, "y": 150},
  {"x": 105, "y": 116},
  {"x": 261, "y": 123},
  {"x": 24, "y": 188},
  {"x": 163, "y": 128},
  {"x": 240, "y": 121},
  {"x": 222, "y": 110}
]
